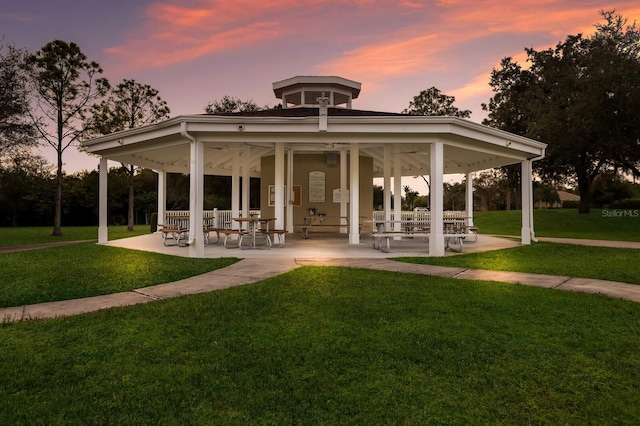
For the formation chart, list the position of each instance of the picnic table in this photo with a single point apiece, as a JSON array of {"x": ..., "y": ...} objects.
[
  {"x": 254, "y": 232},
  {"x": 455, "y": 231},
  {"x": 319, "y": 221}
]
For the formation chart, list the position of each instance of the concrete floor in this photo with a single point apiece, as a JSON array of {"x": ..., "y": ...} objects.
[{"x": 318, "y": 246}]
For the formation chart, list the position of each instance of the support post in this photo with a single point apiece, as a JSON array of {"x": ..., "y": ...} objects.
[
  {"x": 246, "y": 181},
  {"x": 354, "y": 195},
  {"x": 527, "y": 201},
  {"x": 469, "y": 199},
  {"x": 103, "y": 230},
  {"x": 278, "y": 208},
  {"x": 436, "y": 177},
  {"x": 290, "y": 197},
  {"x": 343, "y": 191},
  {"x": 162, "y": 196},
  {"x": 386, "y": 171},
  {"x": 397, "y": 192},
  {"x": 196, "y": 202}
]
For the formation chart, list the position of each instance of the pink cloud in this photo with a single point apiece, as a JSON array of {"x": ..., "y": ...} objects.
[
  {"x": 174, "y": 33},
  {"x": 434, "y": 44}
]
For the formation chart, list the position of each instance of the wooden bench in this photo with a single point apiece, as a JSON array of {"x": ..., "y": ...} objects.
[
  {"x": 227, "y": 232},
  {"x": 312, "y": 223},
  {"x": 271, "y": 233},
  {"x": 452, "y": 241},
  {"x": 208, "y": 229},
  {"x": 472, "y": 232},
  {"x": 378, "y": 237},
  {"x": 173, "y": 232}
]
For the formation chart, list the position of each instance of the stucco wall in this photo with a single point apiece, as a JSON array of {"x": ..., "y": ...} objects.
[{"x": 302, "y": 165}]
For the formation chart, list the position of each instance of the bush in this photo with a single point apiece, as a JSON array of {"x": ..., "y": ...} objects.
[
  {"x": 154, "y": 222},
  {"x": 629, "y": 203},
  {"x": 570, "y": 204}
]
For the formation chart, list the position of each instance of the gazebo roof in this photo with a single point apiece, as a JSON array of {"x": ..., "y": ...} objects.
[
  {"x": 468, "y": 146},
  {"x": 302, "y": 81}
]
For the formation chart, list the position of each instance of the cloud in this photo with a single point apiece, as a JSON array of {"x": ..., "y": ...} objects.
[
  {"x": 450, "y": 29},
  {"x": 172, "y": 33}
]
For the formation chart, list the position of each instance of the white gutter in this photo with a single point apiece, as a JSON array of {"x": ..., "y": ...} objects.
[{"x": 192, "y": 224}]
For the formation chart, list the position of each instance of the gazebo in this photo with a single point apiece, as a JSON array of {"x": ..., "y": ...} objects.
[{"x": 317, "y": 152}]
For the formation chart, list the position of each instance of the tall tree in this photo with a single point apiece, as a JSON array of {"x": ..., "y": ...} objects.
[
  {"x": 130, "y": 104},
  {"x": 65, "y": 85},
  {"x": 581, "y": 98},
  {"x": 434, "y": 102},
  {"x": 16, "y": 130},
  {"x": 231, "y": 104}
]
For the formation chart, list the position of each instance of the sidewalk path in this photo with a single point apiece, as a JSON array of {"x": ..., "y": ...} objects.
[
  {"x": 252, "y": 270},
  {"x": 596, "y": 243}
]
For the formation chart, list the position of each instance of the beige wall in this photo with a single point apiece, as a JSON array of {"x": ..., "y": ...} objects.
[{"x": 302, "y": 165}]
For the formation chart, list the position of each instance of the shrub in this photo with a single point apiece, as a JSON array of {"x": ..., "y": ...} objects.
[
  {"x": 154, "y": 222},
  {"x": 570, "y": 204},
  {"x": 628, "y": 203}
]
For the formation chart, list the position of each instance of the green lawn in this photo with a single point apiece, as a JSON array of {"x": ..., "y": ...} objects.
[
  {"x": 555, "y": 259},
  {"x": 324, "y": 345},
  {"x": 604, "y": 263},
  {"x": 562, "y": 223},
  {"x": 42, "y": 234},
  {"x": 88, "y": 269}
]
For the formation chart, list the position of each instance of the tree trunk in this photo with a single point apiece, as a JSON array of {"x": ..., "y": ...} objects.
[
  {"x": 131, "y": 220},
  {"x": 57, "y": 218},
  {"x": 583, "y": 188}
]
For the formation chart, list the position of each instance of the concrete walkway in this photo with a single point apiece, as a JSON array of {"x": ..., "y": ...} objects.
[{"x": 250, "y": 270}]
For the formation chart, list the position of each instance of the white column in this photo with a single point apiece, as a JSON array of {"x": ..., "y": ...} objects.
[
  {"x": 436, "y": 177},
  {"x": 196, "y": 202},
  {"x": 397, "y": 191},
  {"x": 343, "y": 191},
  {"x": 527, "y": 215},
  {"x": 246, "y": 181},
  {"x": 354, "y": 195},
  {"x": 386, "y": 171},
  {"x": 235, "y": 185},
  {"x": 289, "y": 198},
  {"x": 162, "y": 196},
  {"x": 469, "y": 199},
  {"x": 278, "y": 209},
  {"x": 103, "y": 230}
]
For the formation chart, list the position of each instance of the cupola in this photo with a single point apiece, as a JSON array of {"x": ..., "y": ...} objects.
[{"x": 305, "y": 91}]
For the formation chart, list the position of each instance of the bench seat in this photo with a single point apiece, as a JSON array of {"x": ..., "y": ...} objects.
[
  {"x": 209, "y": 229},
  {"x": 378, "y": 237},
  {"x": 453, "y": 241},
  {"x": 271, "y": 233},
  {"x": 227, "y": 232},
  {"x": 172, "y": 232}
]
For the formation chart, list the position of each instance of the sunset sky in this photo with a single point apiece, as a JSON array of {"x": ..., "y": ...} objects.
[{"x": 196, "y": 51}]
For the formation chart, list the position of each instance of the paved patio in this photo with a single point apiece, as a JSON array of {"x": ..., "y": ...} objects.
[{"x": 319, "y": 245}]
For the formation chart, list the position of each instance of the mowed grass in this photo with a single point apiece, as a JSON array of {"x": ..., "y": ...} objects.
[
  {"x": 42, "y": 234},
  {"x": 613, "y": 264},
  {"x": 88, "y": 269},
  {"x": 323, "y": 345},
  {"x": 564, "y": 223}
]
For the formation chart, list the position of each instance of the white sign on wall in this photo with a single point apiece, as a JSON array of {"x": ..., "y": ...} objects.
[
  {"x": 317, "y": 187},
  {"x": 336, "y": 195}
]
